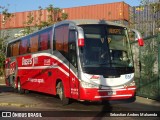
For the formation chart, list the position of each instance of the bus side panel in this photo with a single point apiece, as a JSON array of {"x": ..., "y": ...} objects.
[
  {"x": 39, "y": 72},
  {"x": 7, "y": 70},
  {"x": 34, "y": 74},
  {"x": 74, "y": 85},
  {"x": 62, "y": 71},
  {"x": 10, "y": 71}
]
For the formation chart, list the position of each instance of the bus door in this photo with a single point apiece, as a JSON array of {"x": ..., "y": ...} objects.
[
  {"x": 10, "y": 67},
  {"x": 74, "y": 83},
  {"x": 7, "y": 71}
]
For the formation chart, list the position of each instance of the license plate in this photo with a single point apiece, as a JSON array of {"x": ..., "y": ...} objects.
[{"x": 112, "y": 93}]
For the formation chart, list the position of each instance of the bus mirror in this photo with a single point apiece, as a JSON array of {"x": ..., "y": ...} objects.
[
  {"x": 81, "y": 42},
  {"x": 72, "y": 28},
  {"x": 138, "y": 37},
  {"x": 140, "y": 41}
]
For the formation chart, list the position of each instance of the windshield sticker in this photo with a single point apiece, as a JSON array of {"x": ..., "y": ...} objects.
[
  {"x": 109, "y": 40},
  {"x": 115, "y": 31},
  {"x": 102, "y": 40}
]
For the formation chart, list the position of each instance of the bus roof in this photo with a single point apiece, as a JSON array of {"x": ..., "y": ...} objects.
[
  {"x": 90, "y": 21},
  {"x": 76, "y": 22}
]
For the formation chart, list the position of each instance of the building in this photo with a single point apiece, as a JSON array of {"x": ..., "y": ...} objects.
[
  {"x": 140, "y": 17},
  {"x": 118, "y": 12},
  {"x": 146, "y": 19}
]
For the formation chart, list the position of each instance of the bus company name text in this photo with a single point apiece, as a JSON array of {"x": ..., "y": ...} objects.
[
  {"x": 26, "y": 61},
  {"x": 20, "y": 115},
  {"x": 35, "y": 80},
  {"x": 136, "y": 114}
]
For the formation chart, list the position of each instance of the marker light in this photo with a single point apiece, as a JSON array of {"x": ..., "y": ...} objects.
[
  {"x": 140, "y": 42},
  {"x": 95, "y": 77},
  {"x": 81, "y": 42}
]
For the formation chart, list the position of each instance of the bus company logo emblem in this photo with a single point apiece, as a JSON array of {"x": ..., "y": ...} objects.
[
  {"x": 128, "y": 76},
  {"x": 102, "y": 40},
  {"x": 6, "y": 114},
  {"x": 26, "y": 61},
  {"x": 47, "y": 62},
  {"x": 109, "y": 40}
]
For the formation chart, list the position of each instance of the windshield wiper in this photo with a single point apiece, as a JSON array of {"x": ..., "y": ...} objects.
[{"x": 105, "y": 63}]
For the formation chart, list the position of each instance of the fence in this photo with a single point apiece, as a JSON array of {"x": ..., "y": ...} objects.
[{"x": 147, "y": 67}]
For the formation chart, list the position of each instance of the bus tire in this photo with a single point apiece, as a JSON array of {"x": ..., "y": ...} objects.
[
  {"x": 14, "y": 86},
  {"x": 26, "y": 91},
  {"x": 19, "y": 88},
  {"x": 60, "y": 92}
]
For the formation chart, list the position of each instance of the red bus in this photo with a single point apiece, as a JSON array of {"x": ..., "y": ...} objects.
[{"x": 86, "y": 60}]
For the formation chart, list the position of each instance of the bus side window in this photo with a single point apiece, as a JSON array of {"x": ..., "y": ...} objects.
[
  {"x": 34, "y": 43},
  {"x": 15, "y": 49},
  {"x": 49, "y": 38},
  {"x": 43, "y": 44},
  {"x": 28, "y": 46},
  {"x": 23, "y": 46},
  {"x": 72, "y": 48},
  {"x": 60, "y": 42},
  {"x": 9, "y": 50},
  {"x": 45, "y": 39}
]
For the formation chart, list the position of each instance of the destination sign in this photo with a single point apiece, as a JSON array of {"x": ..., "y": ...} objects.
[{"x": 115, "y": 31}]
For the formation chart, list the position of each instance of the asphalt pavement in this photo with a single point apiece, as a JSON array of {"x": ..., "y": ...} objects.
[{"x": 14, "y": 99}]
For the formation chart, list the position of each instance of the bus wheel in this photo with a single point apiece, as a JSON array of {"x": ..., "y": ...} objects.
[
  {"x": 60, "y": 92},
  {"x": 14, "y": 87},
  {"x": 19, "y": 88}
]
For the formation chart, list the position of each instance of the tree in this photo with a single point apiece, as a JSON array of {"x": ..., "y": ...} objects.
[
  {"x": 155, "y": 8},
  {"x": 28, "y": 29},
  {"x": 3, "y": 35},
  {"x": 54, "y": 15}
]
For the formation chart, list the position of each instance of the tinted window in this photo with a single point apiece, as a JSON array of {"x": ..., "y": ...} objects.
[
  {"x": 72, "y": 48},
  {"x": 23, "y": 46},
  {"x": 45, "y": 39},
  {"x": 34, "y": 43},
  {"x": 61, "y": 39},
  {"x": 15, "y": 48}
]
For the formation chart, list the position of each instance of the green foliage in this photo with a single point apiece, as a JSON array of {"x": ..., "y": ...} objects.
[
  {"x": 155, "y": 8},
  {"x": 64, "y": 16},
  {"x": 149, "y": 57},
  {"x": 6, "y": 14},
  {"x": 27, "y": 30},
  {"x": 54, "y": 15},
  {"x": 3, "y": 36}
]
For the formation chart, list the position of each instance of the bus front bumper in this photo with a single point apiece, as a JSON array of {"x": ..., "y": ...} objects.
[{"x": 94, "y": 94}]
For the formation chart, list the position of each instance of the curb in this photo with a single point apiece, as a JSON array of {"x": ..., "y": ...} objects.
[
  {"x": 147, "y": 101},
  {"x": 2, "y": 84},
  {"x": 18, "y": 105}
]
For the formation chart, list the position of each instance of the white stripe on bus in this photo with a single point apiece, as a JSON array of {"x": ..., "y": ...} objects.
[
  {"x": 116, "y": 90},
  {"x": 113, "y": 96},
  {"x": 56, "y": 58},
  {"x": 37, "y": 67},
  {"x": 44, "y": 67}
]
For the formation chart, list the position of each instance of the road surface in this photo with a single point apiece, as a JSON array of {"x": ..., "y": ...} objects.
[{"x": 50, "y": 106}]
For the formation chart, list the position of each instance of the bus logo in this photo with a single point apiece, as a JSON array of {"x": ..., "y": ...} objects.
[
  {"x": 128, "y": 76},
  {"x": 26, "y": 61}
]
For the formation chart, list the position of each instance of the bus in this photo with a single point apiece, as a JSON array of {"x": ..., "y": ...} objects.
[{"x": 85, "y": 60}]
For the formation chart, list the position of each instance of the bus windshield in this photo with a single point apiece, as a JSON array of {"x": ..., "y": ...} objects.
[{"x": 105, "y": 46}]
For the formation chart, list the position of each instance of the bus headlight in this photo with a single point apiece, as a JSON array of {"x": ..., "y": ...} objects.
[
  {"x": 130, "y": 84},
  {"x": 88, "y": 85}
]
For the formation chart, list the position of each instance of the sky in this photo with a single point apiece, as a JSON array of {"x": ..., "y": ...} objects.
[{"x": 29, "y": 5}]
